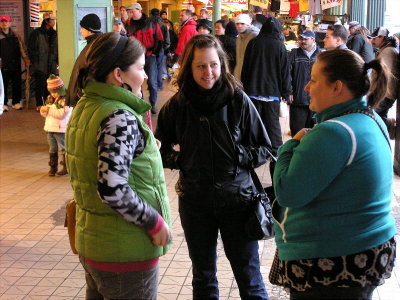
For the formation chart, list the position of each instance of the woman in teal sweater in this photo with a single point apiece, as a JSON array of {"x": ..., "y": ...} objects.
[{"x": 334, "y": 231}]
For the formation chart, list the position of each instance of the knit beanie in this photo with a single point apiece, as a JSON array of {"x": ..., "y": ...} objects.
[
  {"x": 204, "y": 23},
  {"x": 243, "y": 18},
  {"x": 91, "y": 22},
  {"x": 55, "y": 84}
]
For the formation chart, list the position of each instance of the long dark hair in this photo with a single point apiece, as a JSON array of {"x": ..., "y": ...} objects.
[
  {"x": 101, "y": 52},
  {"x": 348, "y": 67},
  {"x": 202, "y": 41}
]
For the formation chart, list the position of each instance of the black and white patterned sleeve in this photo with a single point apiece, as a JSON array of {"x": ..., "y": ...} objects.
[{"x": 119, "y": 142}]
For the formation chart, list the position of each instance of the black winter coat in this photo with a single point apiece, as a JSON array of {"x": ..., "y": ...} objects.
[
  {"x": 229, "y": 45},
  {"x": 265, "y": 69},
  {"x": 300, "y": 70},
  {"x": 10, "y": 52},
  {"x": 43, "y": 50},
  {"x": 216, "y": 152},
  {"x": 359, "y": 44}
]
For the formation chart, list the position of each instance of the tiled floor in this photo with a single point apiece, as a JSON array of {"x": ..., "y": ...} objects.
[{"x": 35, "y": 258}]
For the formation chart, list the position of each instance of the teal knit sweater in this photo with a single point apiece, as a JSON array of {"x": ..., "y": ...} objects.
[{"x": 333, "y": 187}]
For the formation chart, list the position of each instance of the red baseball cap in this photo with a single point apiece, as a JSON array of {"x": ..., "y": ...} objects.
[{"x": 5, "y": 18}]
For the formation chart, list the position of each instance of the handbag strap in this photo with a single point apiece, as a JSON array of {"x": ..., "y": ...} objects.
[
  {"x": 370, "y": 114},
  {"x": 256, "y": 181}
]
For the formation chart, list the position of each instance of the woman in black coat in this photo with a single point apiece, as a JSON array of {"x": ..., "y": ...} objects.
[{"x": 221, "y": 140}]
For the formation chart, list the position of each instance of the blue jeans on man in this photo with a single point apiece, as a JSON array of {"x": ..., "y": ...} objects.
[
  {"x": 160, "y": 60},
  {"x": 150, "y": 68},
  {"x": 201, "y": 226}
]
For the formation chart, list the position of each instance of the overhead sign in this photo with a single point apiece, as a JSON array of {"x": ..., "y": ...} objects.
[
  {"x": 261, "y": 3},
  {"x": 325, "y": 4}
]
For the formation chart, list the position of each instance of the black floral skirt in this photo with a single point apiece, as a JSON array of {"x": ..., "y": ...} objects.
[{"x": 370, "y": 267}]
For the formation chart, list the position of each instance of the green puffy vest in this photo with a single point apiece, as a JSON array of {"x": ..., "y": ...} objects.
[{"x": 101, "y": 233}]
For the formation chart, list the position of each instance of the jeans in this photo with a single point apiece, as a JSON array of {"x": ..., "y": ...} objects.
[
  {"x": 164, "y": 67},
  {"x": 15, "y": 77},
  {"x": 150, "y": 68},
  {"x": 41, "y": 91},
  {"x": 201, "y": 226},
  {"x": 352, "y": 293},
  {"x": 160, "y": 60},
  {"x": 140, "y": 285},
  {"x": 300, "y": 117},
  {"x": 56, "y": 142}
]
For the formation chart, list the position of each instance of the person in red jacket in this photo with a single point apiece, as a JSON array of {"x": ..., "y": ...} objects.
[
  {"x": 188, "y": 29},
  {"x": 149, "y": 33}
]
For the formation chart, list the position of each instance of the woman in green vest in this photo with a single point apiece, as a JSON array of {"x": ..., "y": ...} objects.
[{"x": 123, "y": 215}]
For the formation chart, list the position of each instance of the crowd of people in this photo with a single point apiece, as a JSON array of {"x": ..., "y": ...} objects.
[{"x": 331, "y": 181}]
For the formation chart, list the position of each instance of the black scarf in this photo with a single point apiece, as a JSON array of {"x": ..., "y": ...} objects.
[{"x": 207, "y": 101}]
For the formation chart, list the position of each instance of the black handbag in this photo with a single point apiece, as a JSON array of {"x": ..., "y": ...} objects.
[{"x": 260, "y": 225}]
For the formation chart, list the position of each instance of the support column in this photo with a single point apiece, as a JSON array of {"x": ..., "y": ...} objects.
[
  {"x": 358, "y": 12},
  {"x": 376, "y": 13},
  {"x": 216, "y": 13}
]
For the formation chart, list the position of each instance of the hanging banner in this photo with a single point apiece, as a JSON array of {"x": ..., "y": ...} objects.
[
  {"x": 34, "y": 13},
  {"x": 285, "y": 7},
  {"x": 303, "y": 5},
  {"x": 325, "y": 4},
  {"x": 261, "y": 3}
]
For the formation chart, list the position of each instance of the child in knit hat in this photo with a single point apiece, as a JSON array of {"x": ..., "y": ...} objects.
[{"x": 57, "y": 115}]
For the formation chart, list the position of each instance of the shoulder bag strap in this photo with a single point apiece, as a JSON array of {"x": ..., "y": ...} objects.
[{"x": 371, "y": 115}]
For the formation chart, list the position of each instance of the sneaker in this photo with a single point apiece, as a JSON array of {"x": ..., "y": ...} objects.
[
  {"x": 154, "y": 110},
  {"x": 17, "y": 106},
  {"x": 5, "y": 108}
]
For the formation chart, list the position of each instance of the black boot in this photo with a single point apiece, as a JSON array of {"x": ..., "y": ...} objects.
[
  {"x": 53, "y": 162},
  {"x": 64, "y": 169}
]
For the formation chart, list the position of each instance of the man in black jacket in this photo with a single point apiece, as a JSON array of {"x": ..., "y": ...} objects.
[
  {"x": 43, "y": 53},
  {"x": 12, "y": 48},
  {"x": 301, "y": 61},
  {"x": 90, "y": 29},
  {"x": 358, "y": 43},
  {"x": 266, "y": 78}
]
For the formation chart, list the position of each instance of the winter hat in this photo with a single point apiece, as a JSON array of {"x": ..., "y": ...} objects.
[
  {"x": 243, "y": 18},
  {"x": 91, "y": 22},
  {"x": 257, "y": 9},
  {"x": 204, "y": 23},
  {"x": 354, "y": 24},
  {"x": 55, "y": 84}
]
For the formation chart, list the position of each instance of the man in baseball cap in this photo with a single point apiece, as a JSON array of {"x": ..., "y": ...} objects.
[
  {"x": 379, "y": 32},
  {"x": 12, "y": 49},
  {"x": 301, "y": 61},
  {"x": 358, "y": 42},
  {"x": 5, "y": 19},
  {"x": 134, "y": 12},
  {"x": 307, "y": 34}
]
